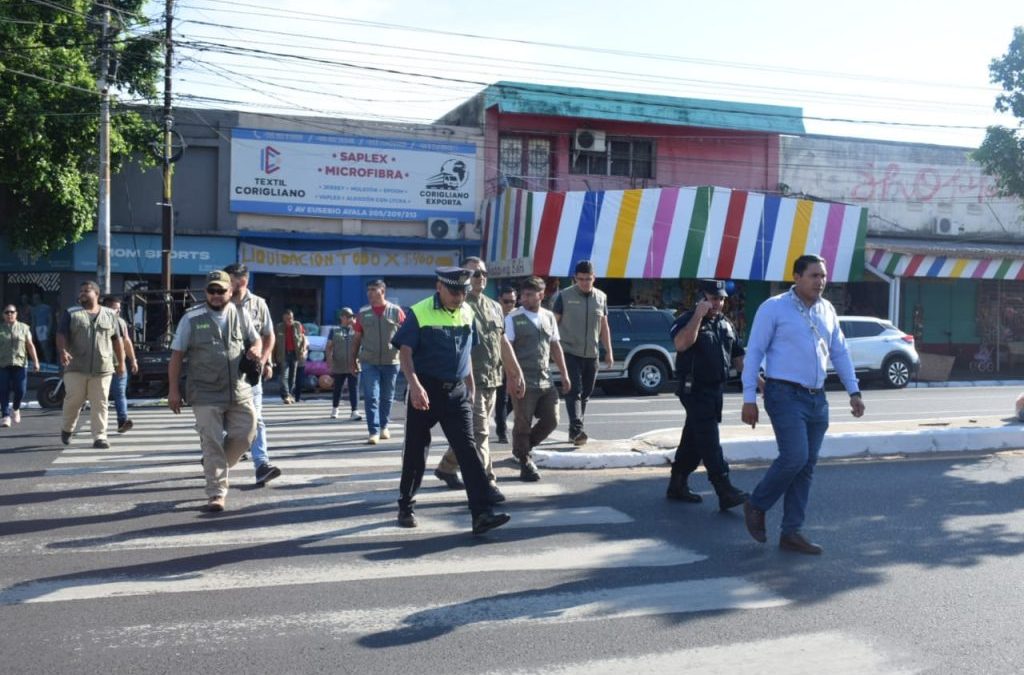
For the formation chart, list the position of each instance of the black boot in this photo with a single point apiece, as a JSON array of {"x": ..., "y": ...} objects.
[
  {"x": 728, "y": 494},
  {"x": 680, "y": 491}
]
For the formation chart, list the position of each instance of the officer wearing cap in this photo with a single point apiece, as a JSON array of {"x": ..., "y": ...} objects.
[
  {"x": 434, "y": 343},
  {"x": 706, "y": 345},
  {"x": 213, "y": 337}
]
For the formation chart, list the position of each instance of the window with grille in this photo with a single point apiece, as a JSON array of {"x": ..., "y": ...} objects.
[
  {"x": 633, "y": 158},
  {"x": 525, "y": 161}
]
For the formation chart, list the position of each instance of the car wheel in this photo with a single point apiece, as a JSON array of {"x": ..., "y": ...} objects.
[
  {"x": 648, "y": 374},
  {"x": 896, "y": 372}
]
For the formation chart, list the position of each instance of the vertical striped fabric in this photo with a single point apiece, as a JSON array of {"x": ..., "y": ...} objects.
[
  {"x": 897, "y": 264},
  {"x": 670, "y": 233}
]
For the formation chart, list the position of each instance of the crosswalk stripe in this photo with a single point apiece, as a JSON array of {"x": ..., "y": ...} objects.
[
  {"x": 177, "y": 462},
  {"x": 387, "y": 625},
  {"x": 603, "y": 555},
  {"x": 253, "y": 531}
]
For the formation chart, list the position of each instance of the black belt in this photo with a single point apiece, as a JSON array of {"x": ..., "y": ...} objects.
[
  {"x": 446, "y": 385},
  {"x": 809, "y": 390}
]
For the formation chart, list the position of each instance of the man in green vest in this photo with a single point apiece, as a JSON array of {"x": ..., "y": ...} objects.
[
  {"x": 290, "y": 343},
  {"x": 435, "y": 343},
  {"x": 212, "y": 339},
  {"x": 377, "y": 359},
  {"x": 533, "y": 333},
  {"x": 343, "y": 366},
  {"x": 582, "y": 313},
  {"x": 492, "y": 359},
  {"x": 89, "y": 346}
]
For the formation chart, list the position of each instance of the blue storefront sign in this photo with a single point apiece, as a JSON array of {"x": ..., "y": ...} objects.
[
  {"x": 141, "y": 254},
  {"x": 22, "y": 261}
]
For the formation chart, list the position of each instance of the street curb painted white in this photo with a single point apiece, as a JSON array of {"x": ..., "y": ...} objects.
[{"x": 835, "y": 446}]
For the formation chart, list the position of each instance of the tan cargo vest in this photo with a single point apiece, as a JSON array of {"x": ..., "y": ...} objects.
[
  {"x": 490, "y": 327},
  {"x": 580, "y": 326},
  {"x": 375, "y": 347},
  {"x": 533, "y": 348},
  {"x": 341, "y": 352},
  {"x": 13, "y": 337},
  {"x": 90, "y": 341},
  {"x": 213, "y": 359}
]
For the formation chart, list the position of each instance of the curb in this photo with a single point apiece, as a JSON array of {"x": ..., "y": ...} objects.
[{"x": 835, "y": 446}]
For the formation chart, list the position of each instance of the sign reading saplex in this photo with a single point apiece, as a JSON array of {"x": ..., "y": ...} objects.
[{"x": 325, "y": 176}]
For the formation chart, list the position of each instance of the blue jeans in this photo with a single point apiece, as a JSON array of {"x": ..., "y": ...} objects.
[
  {"x": 119, "y": 392},
  {"x": 259, "y": 444},
  {"x": 378, "y": 394},
  {"x": 799, "y": 420},
  {"x": 13, "y": 380}
]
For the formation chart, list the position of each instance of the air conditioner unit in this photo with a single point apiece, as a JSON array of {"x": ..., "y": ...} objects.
[
  {"x": 589, "y": 140},
  {"x": 443, "y": 228},
  {"x": 944, "y": 226}
]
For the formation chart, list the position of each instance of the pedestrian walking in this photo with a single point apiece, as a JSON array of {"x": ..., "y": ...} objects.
[
  {"x": 119, "y": 383},
  {"x": 503, "y": 402},
  {"x": 492, "y": 362},
  {"x": 16, "y": 349},
  {"x": 344, "y": 367},
  {"x": 256, "y": 310},
  {"x": 300, "y": 366},
  {"x": 376, "y": 326},
  {"x": 796, "y": 333},
  {"x": 42, "y": 327},
  {"x": 211, "y": 341},
  {"x": 533, "y": 333},
  {"x": 434, "y": 344},
  {"x": 89, "y": 343},
  {"x": 582, "y": 313},
  {"x": 706, "y": 346},
  {"x": 290, "y": 341}
]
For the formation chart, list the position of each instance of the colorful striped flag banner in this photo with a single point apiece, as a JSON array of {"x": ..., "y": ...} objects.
[
  {"x": 670, "y": 233},
  {"x": 901, "y": 264}
]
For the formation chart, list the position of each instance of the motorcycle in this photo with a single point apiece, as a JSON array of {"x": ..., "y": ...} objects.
[{"x": 50, "y": 393}]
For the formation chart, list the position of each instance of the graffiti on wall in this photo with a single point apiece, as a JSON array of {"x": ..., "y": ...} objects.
[{"x": 892, "y": 181}]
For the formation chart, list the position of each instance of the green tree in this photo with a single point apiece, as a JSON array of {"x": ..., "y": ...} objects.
[
  {"x": 1001, "y": 154},
  {"x": 49, "y": 111}
]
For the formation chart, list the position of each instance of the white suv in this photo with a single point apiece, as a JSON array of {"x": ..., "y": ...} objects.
[{"x": 880, "y": 349}]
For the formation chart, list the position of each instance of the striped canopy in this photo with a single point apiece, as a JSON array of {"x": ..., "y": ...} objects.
[
  {"x": 670, "y": 233},
  {"x": 901, "y": 264}
]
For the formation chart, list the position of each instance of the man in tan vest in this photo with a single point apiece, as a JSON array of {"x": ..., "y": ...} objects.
[
  {"x": 89, "y": 344},
  {"x": 533, "y": 333},
  {"x": 212, "y": 338},
  {"x": 377, "y": 359}
]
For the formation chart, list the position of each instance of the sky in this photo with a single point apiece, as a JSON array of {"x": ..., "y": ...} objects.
[{"x": 907, "y": 71}]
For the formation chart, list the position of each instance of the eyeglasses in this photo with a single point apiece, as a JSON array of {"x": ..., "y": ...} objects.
[
  {"x": 9, "y": 311},
  {"x": 216, "y": 290},
  {"x": 477, "y": 274}
]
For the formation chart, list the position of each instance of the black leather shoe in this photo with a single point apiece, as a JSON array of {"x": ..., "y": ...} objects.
[
  {"x": 502, "y": 438},
  {"x": 796, "y": 543},
  {"x": 449, "y": 479},
  {"x": 65, "y": 437},
  {"x": 679, "y": 490},
  {"x": 482, "y": 522},
  {"x": 101, "y": 444},
  {"x": 266, "y": 473},
  {"x": 754, "y": 519},
  {"x": 528, "y": 472},
  {"x": 406, "y": 518},
  {"x": 494, "y": 495}
]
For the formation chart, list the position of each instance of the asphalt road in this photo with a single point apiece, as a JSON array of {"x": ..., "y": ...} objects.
[{"x": 108, "y": 566}]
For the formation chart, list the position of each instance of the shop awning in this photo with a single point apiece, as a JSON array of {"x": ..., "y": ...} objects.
[
  {"x": 670, "y": 233},
  {"x": 944, "y": 260}
]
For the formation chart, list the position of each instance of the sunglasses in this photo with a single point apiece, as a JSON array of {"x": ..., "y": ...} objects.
[
  {"x": 478, "y": 274},
  {"x": 9, "y": 311},
  {"x": 214, "y": 290}
]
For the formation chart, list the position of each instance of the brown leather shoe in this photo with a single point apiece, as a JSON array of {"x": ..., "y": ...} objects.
[
  {"x": 754, "y": 518},
  {"x": 798, "y": 544},
  {"x": 215, "y": 505}
]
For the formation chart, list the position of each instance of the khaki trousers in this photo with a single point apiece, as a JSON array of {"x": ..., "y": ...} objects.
[
  {"x": 225, "y": 433},
  {"x": 538, "y": 403},
  {"x": 79, "y": 388},
  {"x": 483, "y": 408}
]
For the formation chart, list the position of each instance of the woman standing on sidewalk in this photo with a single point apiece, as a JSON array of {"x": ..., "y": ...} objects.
[{"x": 15, "y": 348}]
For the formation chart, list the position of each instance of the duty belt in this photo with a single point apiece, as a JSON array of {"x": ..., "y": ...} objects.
[
  {"x": 809, "y": 390},
  {"x": 446, "y": 385}
]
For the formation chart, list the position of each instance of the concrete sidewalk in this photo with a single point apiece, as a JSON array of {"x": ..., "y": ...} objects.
[{"x": 854, "y": 438}]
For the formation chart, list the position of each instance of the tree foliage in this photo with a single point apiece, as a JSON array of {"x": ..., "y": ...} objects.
[
  {"x": 1001, "y": 154},
  {"x": 49, "y": 111}
]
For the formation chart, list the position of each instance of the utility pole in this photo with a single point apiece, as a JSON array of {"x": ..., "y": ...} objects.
[
  {"x": 167, "y": 243},
  {"x": 103, "y": 221}
]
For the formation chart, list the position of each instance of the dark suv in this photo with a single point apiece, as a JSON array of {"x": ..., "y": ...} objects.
[{"x": 644, "y": 354}]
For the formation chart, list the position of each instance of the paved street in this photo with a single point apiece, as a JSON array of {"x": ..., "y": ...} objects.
[{"x": 109, "y": 566}]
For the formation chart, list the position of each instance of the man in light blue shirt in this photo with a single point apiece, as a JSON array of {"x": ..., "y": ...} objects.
[{"x": 796, "y": 333}]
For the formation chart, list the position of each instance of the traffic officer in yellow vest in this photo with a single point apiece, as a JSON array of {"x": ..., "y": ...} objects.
[
  {"x": 434, "y": 344},
  {"x": 15, "y": 349},
  {"x": 376, "y": 325},
  {"x": 212, "y": 338},
  {"x": 89, "y": 344},
  {"x": 343, "y": 366},
  {"x": 490, "y": 357},
  {"x": 582, "y": 313}
]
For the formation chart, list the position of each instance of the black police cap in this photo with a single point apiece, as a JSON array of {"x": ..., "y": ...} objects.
[{"x": 713, "y": 287}]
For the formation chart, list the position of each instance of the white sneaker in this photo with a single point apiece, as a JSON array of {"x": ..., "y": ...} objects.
[
  {"x": 373, "y": 439},
  {"x": 334, "y": 413},
  {"x": 385, "y": 433},
  {"x": 356, "y": 416},
  {"x": 6, "y": 422},
  {"x": 16, "y": 417}
]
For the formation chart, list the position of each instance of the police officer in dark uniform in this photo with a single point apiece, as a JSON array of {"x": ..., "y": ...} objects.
[
  {"x": 706, "y": 345},
  {"x": 434, "y": 346}
]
